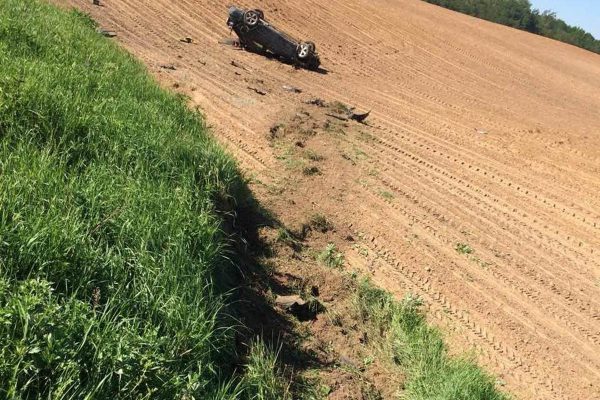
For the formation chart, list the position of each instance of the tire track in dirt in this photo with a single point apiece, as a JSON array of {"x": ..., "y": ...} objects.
[{"x": 429, "y": 210}]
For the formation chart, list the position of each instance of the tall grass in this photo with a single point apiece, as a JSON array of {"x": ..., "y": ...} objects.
[
  {"x": 109, "y": 237},
  {"x": 419, "y": 350},
  {"x": 263, "y": 378}
]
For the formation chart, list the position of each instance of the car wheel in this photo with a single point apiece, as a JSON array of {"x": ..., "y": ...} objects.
[
  {"x": 251, "y": 18},
  {"x": 305, "y": 50}
]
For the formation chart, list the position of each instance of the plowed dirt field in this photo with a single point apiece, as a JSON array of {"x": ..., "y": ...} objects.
[{"x": 475, "y": 184}]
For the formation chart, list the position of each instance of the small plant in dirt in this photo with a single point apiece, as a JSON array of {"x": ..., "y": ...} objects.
[
  {"x": 288, "y": 238},
  {"x": 463, "y": 248},
  {"x": 311, "y": 171},
  {"x": 313, "y": 156},
  {"x": 284, "y": 236},
  {"x": 388, "y": 196},
  {"x": 366, "y": 136},
  {"x": 320, "y": 223},
  {"x": 277, "y": 131},
  {"x": 287, "y": 155},
  {"x": 363, "y": 251},
  {"x": 331, "y": 126},
  {"x": 331, "y": 257},
  {"x": 309, "y": 386},
  {"x": 360, "y": 154}
]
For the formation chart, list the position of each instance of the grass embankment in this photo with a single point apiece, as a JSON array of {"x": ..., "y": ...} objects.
[{"x": 109, "y": 236}]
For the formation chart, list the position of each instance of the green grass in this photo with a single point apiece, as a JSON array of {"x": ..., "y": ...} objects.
[
  {"x": 463, "y": 248},
  {"x": 109, "y": 235},
  {"x": 419, "y": 351},
  {"x": 331, "y": 257},
  {"x": 263, "y": 379},
  {"x": 386, "y": 195}
]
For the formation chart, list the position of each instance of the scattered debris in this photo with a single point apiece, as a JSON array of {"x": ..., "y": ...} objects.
[
  {"x": 312, "y": 170},
  {"x": 316, "y": 102},
  {"x": 259, "y": 91},
  {"x": 291, "y": 89},
  {"x": 350, "y": 115},
  {"x": 347, "y": 157},
  {"x": 238, "y": 65},
  {"x": 287, "y": 302},
  {"x": 186, "y": 40},
  {"x": 340, "y": 117},
  {"x": 168, "y": 66},
  {"x": 360, "y": 117},
  {"x": 295, "y": 305},
  {"x": 320, "y": 223},
  {"x": 106, "y": 33}
]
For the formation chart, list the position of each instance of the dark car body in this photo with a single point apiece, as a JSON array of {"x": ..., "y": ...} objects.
[{"x": 256, "y": 34}]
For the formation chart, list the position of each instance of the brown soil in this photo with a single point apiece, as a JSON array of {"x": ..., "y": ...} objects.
[{"x": 480, "y": 135}]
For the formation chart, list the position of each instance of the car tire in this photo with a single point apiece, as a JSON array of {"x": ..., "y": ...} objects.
[
  {"x": 251, "y": 18},
  {"x": 305, "y": 50}
]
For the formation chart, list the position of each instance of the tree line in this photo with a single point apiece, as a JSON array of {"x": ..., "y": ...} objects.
[{"x": 519, "y": 14}]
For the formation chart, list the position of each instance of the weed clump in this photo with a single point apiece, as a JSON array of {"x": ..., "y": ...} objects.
[
  {"x": 401, "y": 329},
  {"x": 313, "y": 156},
  {"x": 320, "y": 223},
  {"x": 331, "y": 257},
  {"x": 464, "y": 248},
  {"x": 310, "y": 171}
]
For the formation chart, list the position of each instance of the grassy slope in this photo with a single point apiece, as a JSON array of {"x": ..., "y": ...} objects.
[
  {"x": 108, "y": 234},
  {"x": 419, "y": 350}
]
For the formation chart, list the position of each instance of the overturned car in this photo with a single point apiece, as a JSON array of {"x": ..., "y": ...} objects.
[{"x": 258, "y": 35}]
